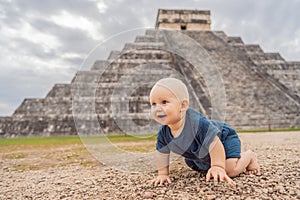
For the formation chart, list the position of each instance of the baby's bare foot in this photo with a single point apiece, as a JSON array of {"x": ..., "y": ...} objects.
[{"x": 253, "y": 167}]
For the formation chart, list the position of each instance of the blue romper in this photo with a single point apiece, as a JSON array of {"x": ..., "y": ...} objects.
[{"x": 194, "y": 141}]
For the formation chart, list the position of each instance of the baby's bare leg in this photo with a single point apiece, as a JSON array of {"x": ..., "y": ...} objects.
[{"x": 246, "y": 163}]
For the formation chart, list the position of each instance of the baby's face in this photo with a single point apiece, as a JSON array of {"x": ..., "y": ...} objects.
[{"x": 165, "y": 106}]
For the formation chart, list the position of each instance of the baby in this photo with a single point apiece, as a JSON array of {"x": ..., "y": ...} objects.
[{"x": 206, "y": 145}]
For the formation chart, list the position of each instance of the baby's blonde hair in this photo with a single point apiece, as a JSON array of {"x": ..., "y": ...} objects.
[{"x": 176, "y": 86}]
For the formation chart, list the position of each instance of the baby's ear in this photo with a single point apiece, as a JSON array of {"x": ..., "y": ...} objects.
[{"x": 184, "y": 105}]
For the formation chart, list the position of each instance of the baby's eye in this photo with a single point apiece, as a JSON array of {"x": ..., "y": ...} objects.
[
  {"x": 164, "y": 102},
  {"x": 153, "y": 104}
]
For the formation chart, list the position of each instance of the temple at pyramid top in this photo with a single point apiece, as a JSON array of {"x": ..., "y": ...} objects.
[{"x": 196, "y": 20}]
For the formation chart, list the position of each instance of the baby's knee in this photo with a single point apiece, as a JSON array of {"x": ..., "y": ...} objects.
[{"x": 248, "y": 152}]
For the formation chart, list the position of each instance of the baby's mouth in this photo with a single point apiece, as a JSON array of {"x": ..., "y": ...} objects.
[{"x": 161, "y": 115}]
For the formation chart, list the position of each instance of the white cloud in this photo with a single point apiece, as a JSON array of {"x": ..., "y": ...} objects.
[
  {"x": 69, "y": 20},
  {"x": 2, "y": 13},
  {"x": 102, "y": 7},
  {"x": 27, "y": 32},
  {"x": 291, "y": 48}
]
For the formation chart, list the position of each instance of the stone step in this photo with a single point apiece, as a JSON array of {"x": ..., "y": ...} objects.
[
  {"x": 59, "y": 90},
  {"x": 139, "y": 108},
  {"x": 30, "y": 107},
  {"x": 115, "y": 99},
  {"x": 266, "y": 58},
  {"x": 154, "y": 32},
  {"x": 125, "y": 116},
  {"x": 45, "y": 106},
  {"x": 262, "y": 123},
  {"x": 129, "y": 65},
  {"x": 221, "y": 35},
  {"x": 104, "y": 110},
  {"x": 90, "y": 90},
  {"x": 148, "y": 38},
  {"x": 132, "y": 123},
  {"x": 141, "y": 61},
  {"x": 235, "y": 41},
  {"x": 5, "y": 124},
  {"x": 144, "y": 45},
  {"x": 286, "y": 72},
  {"x": 86, "y": 76},
  {"x": 103, "y": 104},
  {"x": 147, "y": 54},
  {"x": 53, "y": 106},
  {"x": 40, "y": 126},
  {"x": 283, "y": 66},
  {"x": 100, "y": 64},
  {"x": 253, "y": 48},
  {"x": 114, "y": 55},
  {"x": 114, "y": 74}
]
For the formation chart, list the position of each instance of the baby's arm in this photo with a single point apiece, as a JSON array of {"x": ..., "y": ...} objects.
[
  {"x": 162, "y": 163},
  {"x": 217, "y": 157}
]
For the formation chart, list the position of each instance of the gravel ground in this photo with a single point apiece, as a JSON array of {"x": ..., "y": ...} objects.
[{"x": 69, "y": 172}]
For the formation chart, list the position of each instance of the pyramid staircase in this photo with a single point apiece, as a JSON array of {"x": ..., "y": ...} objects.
[{"x": 270, "y": 83}]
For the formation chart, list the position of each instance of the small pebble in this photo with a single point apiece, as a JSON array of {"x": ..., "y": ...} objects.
[{"x": 148, "y": 195}]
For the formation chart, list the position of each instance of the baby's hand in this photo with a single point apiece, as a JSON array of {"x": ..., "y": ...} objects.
[
  {"x": 219, "y": 174},
  {"x": 160, "y": 179}
]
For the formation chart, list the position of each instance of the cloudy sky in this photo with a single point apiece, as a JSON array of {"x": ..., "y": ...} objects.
[{"x": 45, "y": 42}]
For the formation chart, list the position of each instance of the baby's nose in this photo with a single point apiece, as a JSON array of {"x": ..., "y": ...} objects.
[{"x": 157, "y": 108}]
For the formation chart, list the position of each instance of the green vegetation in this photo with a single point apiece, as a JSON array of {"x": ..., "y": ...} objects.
[
  {"x": 129, "y": 138},
  {"x": 39, "y": 140},
  {"x": 145, "y": 148},
  {"x": 58, "y": 140}
]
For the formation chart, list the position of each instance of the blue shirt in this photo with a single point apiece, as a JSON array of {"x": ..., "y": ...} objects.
[{"x": 194, "y": 141}]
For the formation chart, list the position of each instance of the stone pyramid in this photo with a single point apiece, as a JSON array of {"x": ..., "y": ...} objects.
[{"x": 261, "y": 90}]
